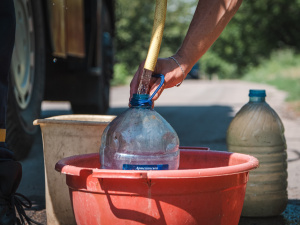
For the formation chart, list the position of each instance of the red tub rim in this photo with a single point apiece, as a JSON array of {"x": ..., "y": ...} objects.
[{"x": 65, "y": 166}]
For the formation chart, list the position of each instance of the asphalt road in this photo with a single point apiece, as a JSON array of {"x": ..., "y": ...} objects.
[{"x": 200, "y": 112}]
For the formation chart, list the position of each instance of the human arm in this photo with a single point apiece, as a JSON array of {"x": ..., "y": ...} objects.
[{"x": 210, "y": 19}]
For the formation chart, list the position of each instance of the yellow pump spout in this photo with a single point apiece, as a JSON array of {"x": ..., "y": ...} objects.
[{"x": 154, "y": 47}]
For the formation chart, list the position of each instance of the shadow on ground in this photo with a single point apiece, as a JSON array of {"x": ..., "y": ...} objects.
[{"x": 291, "y": 216}]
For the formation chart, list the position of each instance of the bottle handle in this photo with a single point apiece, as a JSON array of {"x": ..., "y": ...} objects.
[{"x": 162, "y": 80}]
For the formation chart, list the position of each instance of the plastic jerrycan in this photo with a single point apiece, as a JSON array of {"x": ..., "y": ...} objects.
[
  {"x": 258, "y": 131},
  {"x": 139, "y": 139}
]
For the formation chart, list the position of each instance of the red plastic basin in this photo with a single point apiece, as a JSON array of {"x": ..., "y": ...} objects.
[{"x": 209, "y": 188}]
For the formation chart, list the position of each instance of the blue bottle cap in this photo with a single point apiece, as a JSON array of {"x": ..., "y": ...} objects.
[
  {"x": 257, "y": 93},
  {"x": 140, "y": 100}
]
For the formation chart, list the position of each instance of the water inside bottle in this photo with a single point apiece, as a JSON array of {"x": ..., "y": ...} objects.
[
  {"x": 144, "y": 82},
  {"x": 140, "y": 139},
  {"x": 258, "y": 131}
]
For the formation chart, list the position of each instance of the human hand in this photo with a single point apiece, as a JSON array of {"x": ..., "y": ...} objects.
[{"x": 166, "y": 66}]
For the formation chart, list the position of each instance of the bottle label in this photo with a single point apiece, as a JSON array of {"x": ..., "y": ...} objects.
[{"x": 146, "y": 167}]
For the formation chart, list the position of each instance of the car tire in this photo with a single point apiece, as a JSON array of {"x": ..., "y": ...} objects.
[{"x": 27, "y": 77}]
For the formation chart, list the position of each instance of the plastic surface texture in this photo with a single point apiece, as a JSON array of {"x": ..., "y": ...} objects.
[
  {"x": 65, "y": 136},
  {"x": 139, "y": 138},
  {"x": 208, "y": 188},
  {"x": 257, "y": 130}
]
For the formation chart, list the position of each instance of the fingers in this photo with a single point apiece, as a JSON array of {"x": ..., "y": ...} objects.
[
  {"x": 173, "y": 76},
  {"x": 154, "y": 87},
  {"x": 152, "y": 106},
  {"x": 153, "y": 80},
  {"x": 166, "y": 66},
  {"x": 171, "y": 71}
]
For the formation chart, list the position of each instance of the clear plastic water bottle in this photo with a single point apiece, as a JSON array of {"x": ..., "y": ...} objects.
[
  {"x": 139, "y": 139},
  {"x": 258, "y": 131}
]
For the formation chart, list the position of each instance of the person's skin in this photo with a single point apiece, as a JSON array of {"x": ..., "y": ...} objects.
[{"x": 210, "y": 18}]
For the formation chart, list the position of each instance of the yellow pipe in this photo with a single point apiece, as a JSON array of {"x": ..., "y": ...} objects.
[
  {"x": 2, "y": 135},
  {"x": 157, "y": 33}
]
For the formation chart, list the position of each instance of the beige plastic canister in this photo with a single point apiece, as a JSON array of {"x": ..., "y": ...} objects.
[
  {"x": 65, "y": 136},
  {"x": 257, "y": 130}
]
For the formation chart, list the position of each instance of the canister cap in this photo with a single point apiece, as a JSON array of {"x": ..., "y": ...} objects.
[{"x": 257, "y": 93}]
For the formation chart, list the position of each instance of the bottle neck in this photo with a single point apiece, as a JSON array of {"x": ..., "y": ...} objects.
[
  {"x": 140, "y": 101},
  {"x": 257, "y": 99}
]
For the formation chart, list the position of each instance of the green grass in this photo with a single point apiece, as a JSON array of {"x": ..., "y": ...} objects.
[
  {"x": 121, "y": 75},
  {"x": 282, "y": 70},
  {"x": 292, "y": 86}
]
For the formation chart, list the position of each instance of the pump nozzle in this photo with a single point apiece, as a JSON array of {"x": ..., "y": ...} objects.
[{"x": 153, "y": 51}]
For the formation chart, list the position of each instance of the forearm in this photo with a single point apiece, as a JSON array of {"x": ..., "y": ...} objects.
[{"x": 210, "y": 18}]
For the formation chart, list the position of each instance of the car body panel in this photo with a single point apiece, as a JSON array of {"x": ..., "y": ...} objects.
[{"x": 66, "y": 18}]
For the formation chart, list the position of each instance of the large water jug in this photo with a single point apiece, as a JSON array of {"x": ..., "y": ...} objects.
[
  {"x": 139, "y": 139},
  {"x": 258, "y": 131}
]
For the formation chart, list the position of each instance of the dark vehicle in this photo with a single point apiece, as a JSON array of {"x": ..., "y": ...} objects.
[{"x": 63, "y": 51}]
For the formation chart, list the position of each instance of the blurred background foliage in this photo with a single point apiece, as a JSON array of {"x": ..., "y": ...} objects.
[
  {"x": 262, "y": 38},
  {"x": 134, "y": 20}
]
